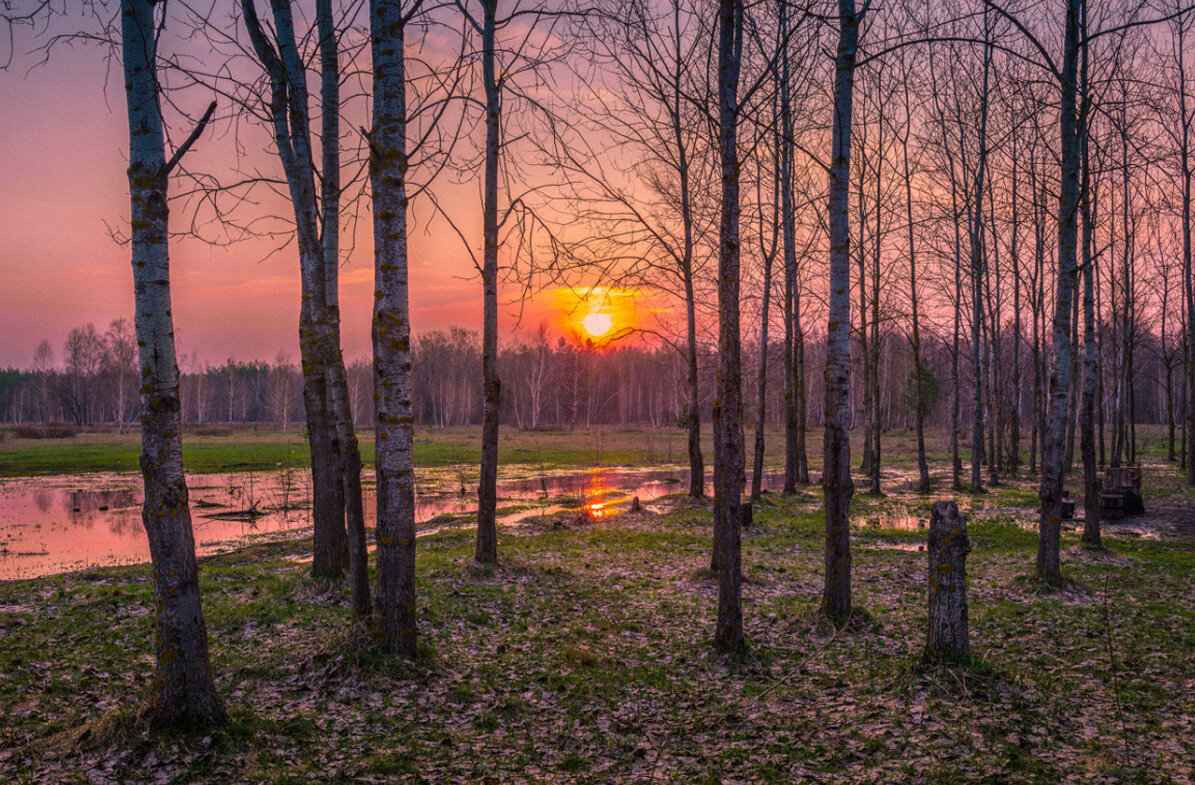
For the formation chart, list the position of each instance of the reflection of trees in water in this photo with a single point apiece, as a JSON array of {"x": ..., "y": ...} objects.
[
  {"x": 126, "y": 523},
  {"x": 99, "y": 501},
  {"x": 44, "y": 500}
]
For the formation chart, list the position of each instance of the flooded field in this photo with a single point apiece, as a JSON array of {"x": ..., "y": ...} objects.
[{"x": 70, "y": 522}]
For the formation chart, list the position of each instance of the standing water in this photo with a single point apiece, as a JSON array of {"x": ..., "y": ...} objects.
[{"x": 70, "y": 522}]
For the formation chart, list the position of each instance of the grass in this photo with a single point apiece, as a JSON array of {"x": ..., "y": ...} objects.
[
  {"x": 585, "y": 657},
  {"x": 242, "y": 449}
]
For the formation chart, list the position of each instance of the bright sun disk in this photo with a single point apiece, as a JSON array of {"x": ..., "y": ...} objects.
[{"x": 597, "y": 324}]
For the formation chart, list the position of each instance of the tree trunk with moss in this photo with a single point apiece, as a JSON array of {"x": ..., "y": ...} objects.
[
  {"x": 388, "y": 163},
  {"x": 184, "y": 692},
  {"x": 290, "y": 122}
]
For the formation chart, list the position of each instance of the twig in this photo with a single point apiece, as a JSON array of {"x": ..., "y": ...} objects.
[
  {"x": 846, "y": 622},
  {"x": 1124, "y": 733},
  {"x": 961, "y": 682}
]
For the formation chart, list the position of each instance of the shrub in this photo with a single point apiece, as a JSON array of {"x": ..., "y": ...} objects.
[{"x": 45, "y": 430}]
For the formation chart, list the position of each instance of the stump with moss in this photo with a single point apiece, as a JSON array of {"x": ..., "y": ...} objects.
[{"x": 948, "y": 548}]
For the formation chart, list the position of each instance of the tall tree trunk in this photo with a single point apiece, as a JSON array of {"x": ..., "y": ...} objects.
[
  {"x": 836, "y": 594},
  {"x": 1188, "y": 273},
  {"x": 487, "y": 490},
  {"x": 288, "y": 107},
  {"x": 956, "y": 459},
  {"x": 184, "y": 692},
  {"x": 919, "y": 368},
  {"x": 728, "y": 434},
  {"x": 693, "y": 418},
  {"x": 1091, "y": 483},
  {"x": 788, "y": 224},
  {"x": 1049, "y": 565},
  {"x": 341, "y": 401},
  {"x": 769, "y": 257},
  {"x": 873, "y": 416},
  {"x": 1014, "y": 438},
  {"x": 393, "y": 417},
  {"x": 977, "y": 273}
]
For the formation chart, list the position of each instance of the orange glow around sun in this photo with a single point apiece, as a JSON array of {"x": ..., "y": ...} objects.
[{"x": 596, "y": 315}]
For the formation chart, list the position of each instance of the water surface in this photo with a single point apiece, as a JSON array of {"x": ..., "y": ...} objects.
[{"x": 71, "y": 522}]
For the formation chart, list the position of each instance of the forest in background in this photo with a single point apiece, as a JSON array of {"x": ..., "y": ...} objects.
[{"x": 561, "y": 383}]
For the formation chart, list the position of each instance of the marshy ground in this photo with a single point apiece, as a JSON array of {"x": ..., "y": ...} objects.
[{"x": 586, "y": 657}]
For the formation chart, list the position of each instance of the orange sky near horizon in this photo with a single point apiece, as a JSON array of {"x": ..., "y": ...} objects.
[{"x": 62, "y": 177}]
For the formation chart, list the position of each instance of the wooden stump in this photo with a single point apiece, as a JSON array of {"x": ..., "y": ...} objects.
[{"x": 948, "y": 548}]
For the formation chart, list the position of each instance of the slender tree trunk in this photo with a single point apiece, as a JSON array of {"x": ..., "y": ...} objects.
[
  {"x": 288, "y": 107},
  {"x": 184, "y": 692},
  {"x": 393, "y": 415},
  {"x": 977, "y": 273},
  {"x": 1049, "y": 565},
  {"x": 769, "y": 257},
  {"x": 761, "y": 402},
  {"x": 838, "y": 485},
  {"x": 800, "y": 390},
  {"x": 956, "y": 459},
  {"x": 728, "y": 436},
  {"x": 1091, "y": 485},
  {"x": 873, "y": 416},
  {"x": 1091, "y": 498},
  {"x": 1072, "y": 415},
  {"x": 956, "y": 464},
  {"x": 919, "y": 369},
  {"x": 788, "y": 223},
  {"x": 1014, "y": 441},
  {"x": 1188, "y": 274},
  {"x": 693, "y": 415},
  {"x": 487, "y": 491},
  {"x": 864, "y": 335},
  {"x": 342, "y": 413}
]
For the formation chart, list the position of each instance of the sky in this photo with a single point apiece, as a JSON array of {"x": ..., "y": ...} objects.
[{"x": 63, "y": 143}]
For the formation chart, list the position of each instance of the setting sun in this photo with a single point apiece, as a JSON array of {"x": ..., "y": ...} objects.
[
  {"x": 596, "y": 316},
  {"x": 597, "y": 324}
]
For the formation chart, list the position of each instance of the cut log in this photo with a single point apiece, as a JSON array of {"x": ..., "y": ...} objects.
[{"x": 949, "y": 545}]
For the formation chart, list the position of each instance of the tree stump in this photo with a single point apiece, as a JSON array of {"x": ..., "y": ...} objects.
[{"x": 948, "y": 548}]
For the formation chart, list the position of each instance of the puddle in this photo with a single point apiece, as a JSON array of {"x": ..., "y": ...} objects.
[
  {"x": 72, "y": 522},
  {"x": 888, "y": 545},
  {"x": 905, "y": 523}
]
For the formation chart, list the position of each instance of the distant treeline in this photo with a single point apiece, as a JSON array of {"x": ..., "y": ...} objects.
[{"x": 546, "y": 383}]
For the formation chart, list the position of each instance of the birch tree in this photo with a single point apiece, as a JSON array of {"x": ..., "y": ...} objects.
[
  {"x": 184, "y": 691},
  {"x": 389, "y": 163},
  {"x": 729, "y": 457},
  {"x": 838, "y": 485},
  {"x": 335, "y": 456}
]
